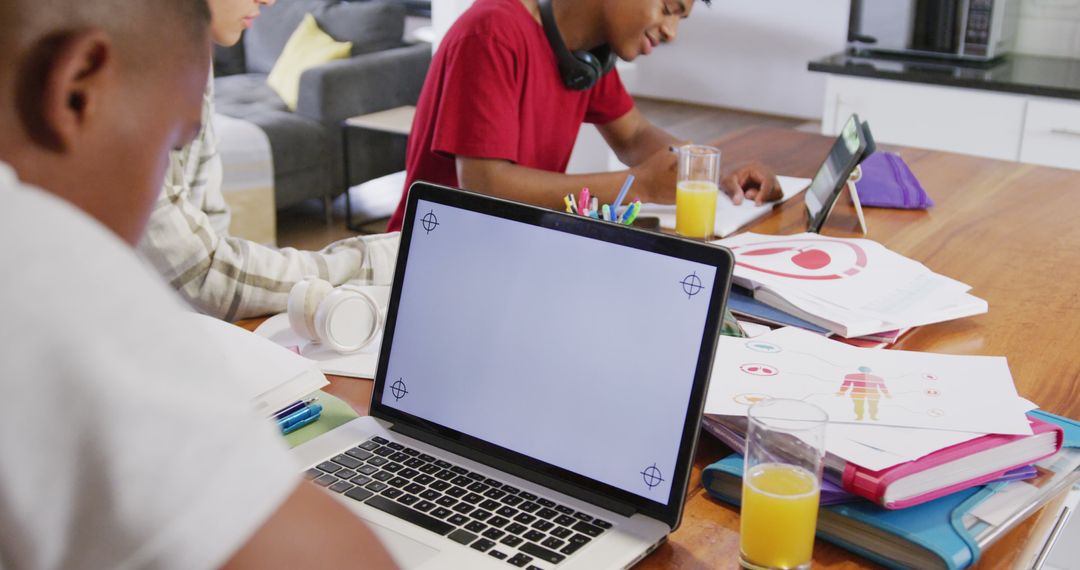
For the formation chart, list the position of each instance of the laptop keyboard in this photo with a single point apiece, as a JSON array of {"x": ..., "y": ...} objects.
[{"x": 467, "y": 507}]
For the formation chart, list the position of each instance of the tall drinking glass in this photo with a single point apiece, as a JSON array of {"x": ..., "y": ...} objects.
[
  {"x": 696, "y": 189},
  {"x": 785, "y": 453}
]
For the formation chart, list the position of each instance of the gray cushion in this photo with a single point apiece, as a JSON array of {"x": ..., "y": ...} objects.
[
  {"x": 242, "y": 95},
  {"x": 297, "y": 143},
  {"x": 370, "y": 26}
]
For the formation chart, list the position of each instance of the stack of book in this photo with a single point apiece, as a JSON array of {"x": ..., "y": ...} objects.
[
  {"x": 746, "y": 308},
  {"x": 949, "y": 532},
  {"x": 848, "y": 287},
  {"x": 915, "y": 475}
]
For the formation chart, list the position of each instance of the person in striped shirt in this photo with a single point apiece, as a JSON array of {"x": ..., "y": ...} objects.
[{"x": 187, "y": 239}]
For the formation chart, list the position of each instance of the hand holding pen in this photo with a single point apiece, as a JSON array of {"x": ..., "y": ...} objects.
[{"x": 656, "y": 177}]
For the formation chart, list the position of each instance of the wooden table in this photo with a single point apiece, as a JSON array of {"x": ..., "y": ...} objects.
[
  {"x": 397, "y": 120},
  {"x": 1010, "y": 230}
]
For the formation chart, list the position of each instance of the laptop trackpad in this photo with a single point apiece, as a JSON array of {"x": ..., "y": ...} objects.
[{"x": 407, "y": 552}]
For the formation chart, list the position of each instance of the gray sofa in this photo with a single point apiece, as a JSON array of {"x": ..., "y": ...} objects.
[{"x": 307, "y": 144}]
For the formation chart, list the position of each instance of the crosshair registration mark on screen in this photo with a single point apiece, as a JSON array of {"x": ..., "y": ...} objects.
[
  {"x": 430, "y": 221},
  {"x": 652, "y": 476},
  {"x": 691, "y": 285},
  {"x": 398, "y": 390}
]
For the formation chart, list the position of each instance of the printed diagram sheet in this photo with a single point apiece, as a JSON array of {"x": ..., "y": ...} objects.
[{"x": 858, "y": 386}]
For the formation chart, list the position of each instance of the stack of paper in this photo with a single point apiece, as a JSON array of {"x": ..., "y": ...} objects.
[
  {"x": 904, "y": 427},
  {"x": 852, "y": 287},
  {"x": 271, "y": 376},
  {"x": 924, "y": 402}
]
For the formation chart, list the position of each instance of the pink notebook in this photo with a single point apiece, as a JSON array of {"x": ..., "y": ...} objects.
[{"x": 953, "y": 468}]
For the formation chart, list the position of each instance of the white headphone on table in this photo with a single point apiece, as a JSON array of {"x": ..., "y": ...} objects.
[{"x": 345, "y": 318}]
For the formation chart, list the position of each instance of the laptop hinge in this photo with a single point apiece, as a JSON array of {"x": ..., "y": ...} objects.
[{"x": 618, "y": 507}]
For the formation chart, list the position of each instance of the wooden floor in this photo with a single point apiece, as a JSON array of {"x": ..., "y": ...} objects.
[{"x": 304, "y": 226}]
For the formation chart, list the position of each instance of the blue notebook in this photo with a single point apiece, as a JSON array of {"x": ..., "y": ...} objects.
[
  {"x": 741, "y": 302},
  {"x": 939, "y": 534}
]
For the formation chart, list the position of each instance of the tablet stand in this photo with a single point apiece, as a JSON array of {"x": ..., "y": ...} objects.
[{"x": 855, "y": 176}]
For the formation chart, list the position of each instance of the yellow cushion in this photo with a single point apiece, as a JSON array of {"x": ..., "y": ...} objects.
[{"x": 308, "y": 47}]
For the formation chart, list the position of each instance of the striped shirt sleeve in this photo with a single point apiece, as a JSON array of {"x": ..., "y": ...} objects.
[{"x": 187, "y": 242}]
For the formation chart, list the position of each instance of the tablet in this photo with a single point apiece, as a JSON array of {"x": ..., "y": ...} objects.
[{"x": 851, "y": 147}]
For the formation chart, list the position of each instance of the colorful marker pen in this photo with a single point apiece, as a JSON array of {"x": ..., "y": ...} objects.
[
  {"x": 300, "y": 415},
  {"x": 299, "y": 424},
  {"x": 622, "y": 194}
]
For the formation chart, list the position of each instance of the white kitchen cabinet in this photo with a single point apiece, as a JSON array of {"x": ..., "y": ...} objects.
[
  {"x": 1006, "y": 126},
  {"x": 1052, "y": 133},
  {"x": 968, "y": 121}
]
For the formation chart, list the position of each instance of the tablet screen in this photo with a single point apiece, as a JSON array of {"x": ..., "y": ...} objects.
[{"x": 830, "y": 178}]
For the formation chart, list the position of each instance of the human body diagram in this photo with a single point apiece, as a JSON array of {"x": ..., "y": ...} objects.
[
  {"x": 867, "y": 386},
  {"x": 864, "y": 388}
]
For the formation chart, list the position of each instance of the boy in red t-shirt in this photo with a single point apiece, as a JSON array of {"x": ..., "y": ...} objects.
[{"x": 496, "y": 116}]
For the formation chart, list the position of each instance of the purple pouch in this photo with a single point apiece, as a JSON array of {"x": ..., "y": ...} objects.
[{"x": 887, "y": 182}]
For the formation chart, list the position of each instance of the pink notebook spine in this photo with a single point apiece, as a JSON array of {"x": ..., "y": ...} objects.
[{"x": 873, "y": 484}]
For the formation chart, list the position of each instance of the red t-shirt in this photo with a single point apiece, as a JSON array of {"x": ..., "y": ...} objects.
[{"x": 494, "y": 91}]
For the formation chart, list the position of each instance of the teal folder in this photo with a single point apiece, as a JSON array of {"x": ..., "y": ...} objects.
[{"x": 936, "y": 534}]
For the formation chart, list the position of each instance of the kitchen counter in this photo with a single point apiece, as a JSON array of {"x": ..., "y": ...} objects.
[{"x": 1014, "y": 73}]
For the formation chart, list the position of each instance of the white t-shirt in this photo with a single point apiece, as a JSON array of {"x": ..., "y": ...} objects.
[{"x": 123, "y": 443}]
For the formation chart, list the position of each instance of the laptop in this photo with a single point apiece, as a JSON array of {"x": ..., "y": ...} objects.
[{"x": 539, "y": 389}]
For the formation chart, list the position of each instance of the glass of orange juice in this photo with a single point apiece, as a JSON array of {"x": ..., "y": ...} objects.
[
  {"x": 696, "y": 188},
  {"x": 785, "y": 452}
]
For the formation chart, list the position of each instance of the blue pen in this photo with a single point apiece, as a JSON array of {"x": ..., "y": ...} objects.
[
  {"x": 311, "y": 412},
  {"x": 622, "y": 194},
  {"x": 626, "y": 215},
  {"x": 300, "y": 415},
  {"x": 297, "y": 405},
  {"x": 633, "y": 213},
  {"x": 299, "y": 425}
]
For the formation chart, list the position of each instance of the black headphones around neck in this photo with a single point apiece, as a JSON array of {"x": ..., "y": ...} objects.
[{"x": 580, "y": 69}]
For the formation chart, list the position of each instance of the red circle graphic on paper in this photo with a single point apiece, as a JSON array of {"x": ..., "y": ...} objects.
[{"x": 803, "y": 258}]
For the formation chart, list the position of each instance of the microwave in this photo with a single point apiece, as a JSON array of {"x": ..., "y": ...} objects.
[{"x": 978, "y": 30}]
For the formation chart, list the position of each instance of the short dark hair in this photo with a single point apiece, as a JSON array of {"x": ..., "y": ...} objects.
[{"x": 29, "y": 20}]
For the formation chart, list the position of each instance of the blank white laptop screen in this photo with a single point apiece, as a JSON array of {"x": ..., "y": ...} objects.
[{"x": 546, "y": 343}]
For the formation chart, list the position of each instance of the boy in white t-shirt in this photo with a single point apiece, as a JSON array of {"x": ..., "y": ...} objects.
[{"x": 121, "y": 444}]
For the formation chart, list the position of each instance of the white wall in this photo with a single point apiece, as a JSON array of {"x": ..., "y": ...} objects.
[
  {"x": 1049, "y": 27},
  {"x": 591, "y": 153},
  {"x": 747, "y": 54},
  {"x": 443, "y": 14}
]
